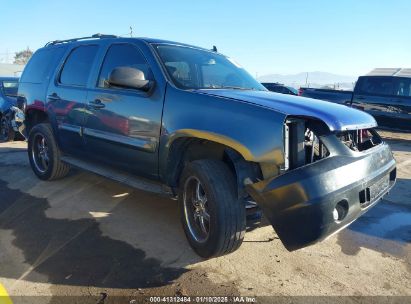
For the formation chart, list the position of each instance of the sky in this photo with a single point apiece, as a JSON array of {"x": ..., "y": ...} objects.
[{"x": 347, "y": 37}]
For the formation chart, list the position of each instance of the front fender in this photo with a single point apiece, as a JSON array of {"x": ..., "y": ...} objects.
[{"x": 254, "y": 132}]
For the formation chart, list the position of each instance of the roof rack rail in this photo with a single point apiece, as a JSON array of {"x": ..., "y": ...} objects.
[{"x": 95, "y": 36}]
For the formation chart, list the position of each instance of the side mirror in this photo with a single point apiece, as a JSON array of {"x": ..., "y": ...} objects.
[{"x": 130, "y": 78}]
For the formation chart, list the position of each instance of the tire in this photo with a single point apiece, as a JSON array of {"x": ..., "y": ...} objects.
[
  {"x": 45, "y": 155},
  {"x": 6, "y": 131},
  {"x": 218, "y": 196}
]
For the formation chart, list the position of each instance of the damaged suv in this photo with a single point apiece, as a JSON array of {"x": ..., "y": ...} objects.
[{"x": 191, "y": 123}]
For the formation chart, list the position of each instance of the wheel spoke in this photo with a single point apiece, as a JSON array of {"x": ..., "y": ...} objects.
[
  {"x": 196, "y": 215},
  {"x": 201, "y": 198},
  {"x": 206, "y": 216},
  {"x": 44, "y": 163},
  {"x": 197, "y": 194},
  {"x": 202, "y": 225}
]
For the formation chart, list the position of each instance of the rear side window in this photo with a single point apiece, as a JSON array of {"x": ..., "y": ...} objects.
[
  {"x": 402, "y": 87},
  {"x": 122, "y": 55},
  {"x": 78, "y": 65},
  {"x": 39, "y": 68},
  {"x": 377, "y": 86}
]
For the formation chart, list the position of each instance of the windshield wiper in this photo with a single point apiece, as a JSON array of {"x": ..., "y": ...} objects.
[
  {"x": 229, "y": 87},
  {"x": 235, "y": 88}
]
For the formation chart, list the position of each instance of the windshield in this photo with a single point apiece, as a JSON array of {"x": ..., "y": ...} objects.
[
  {"x": 295, "y": 91},
  {"x": 191, "y": 68},
  {"x": 10, "y": 88}
]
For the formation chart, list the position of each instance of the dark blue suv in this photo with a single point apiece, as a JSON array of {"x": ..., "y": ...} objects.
[{"x": 191, "y": 123}]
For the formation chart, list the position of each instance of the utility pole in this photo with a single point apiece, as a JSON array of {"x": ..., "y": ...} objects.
[{"x": 131, "y": 31}]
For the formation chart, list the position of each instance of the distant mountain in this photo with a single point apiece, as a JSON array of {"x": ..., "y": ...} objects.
[{"x": 314, "y": 79}]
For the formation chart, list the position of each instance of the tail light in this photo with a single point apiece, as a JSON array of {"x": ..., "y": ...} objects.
[{"x": 300, "y": 92}]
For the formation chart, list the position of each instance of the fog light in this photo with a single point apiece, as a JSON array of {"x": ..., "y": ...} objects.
[{"x": 340, "y": 211}]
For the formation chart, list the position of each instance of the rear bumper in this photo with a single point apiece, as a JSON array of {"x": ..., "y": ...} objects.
[{"x": 300, "y": 203}]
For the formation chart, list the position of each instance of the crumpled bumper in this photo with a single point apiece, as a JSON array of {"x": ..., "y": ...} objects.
[
  {"x": 300, "y": 204},
  {"x": 17, "y": 121}
]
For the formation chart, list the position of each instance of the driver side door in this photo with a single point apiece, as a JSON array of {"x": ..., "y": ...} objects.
[{"x": 122, "y": 126}]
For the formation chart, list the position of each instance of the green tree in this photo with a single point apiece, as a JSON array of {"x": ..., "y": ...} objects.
[{"x": 23, "y": 56}]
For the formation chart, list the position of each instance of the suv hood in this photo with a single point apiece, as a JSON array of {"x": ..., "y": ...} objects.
[{"x": 337, "y": 117}]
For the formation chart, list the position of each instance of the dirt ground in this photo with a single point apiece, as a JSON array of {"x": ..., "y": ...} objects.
[{"x": 85, "y": 239}]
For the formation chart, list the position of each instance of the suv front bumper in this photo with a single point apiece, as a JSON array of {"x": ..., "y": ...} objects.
[{"x": 301, "y": 204}]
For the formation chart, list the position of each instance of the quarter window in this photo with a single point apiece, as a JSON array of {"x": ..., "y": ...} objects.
[
  {"x": 122, "y": 55},
  {"x": 78, "y": 65},
  {"x": 39, "y": 67}
]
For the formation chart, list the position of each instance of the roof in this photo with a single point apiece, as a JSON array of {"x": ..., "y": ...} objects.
[
  {"x": 397, "y": 72},
  {"x": 111, "y": 37}
]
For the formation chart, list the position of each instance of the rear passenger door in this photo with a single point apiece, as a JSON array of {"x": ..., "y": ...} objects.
[
  {"x": 67, "y": 96},
  {"x": 122, "y": 126}
]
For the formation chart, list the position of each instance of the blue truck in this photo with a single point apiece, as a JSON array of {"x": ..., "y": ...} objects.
[{"x": 384, "y": 93}]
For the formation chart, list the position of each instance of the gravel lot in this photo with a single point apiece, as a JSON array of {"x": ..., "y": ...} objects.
[{"x": 85, "y": 235}]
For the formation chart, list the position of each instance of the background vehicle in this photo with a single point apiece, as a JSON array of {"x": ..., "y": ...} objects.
[
  {"x": 387, "y": 98},
  {"x": 280, "y": 88},
  {"x": 8, "y": 99},
  {"x": 336, "y": 96},
  {"x": 383, "y": 93},
  {"x": 190, "y": 123}
]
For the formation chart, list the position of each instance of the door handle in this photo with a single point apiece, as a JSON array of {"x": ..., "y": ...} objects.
[
  {"x": 53, "y": 97},
  {"x": 97, "y": 104}
]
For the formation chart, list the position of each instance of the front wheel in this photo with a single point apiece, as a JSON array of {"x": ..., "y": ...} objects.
[{"x": 212, "y": 216}]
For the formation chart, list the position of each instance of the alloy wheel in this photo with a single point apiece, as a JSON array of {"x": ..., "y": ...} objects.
[
  {"x": 40, "y": 153},
  {"x": 196, "y": 211}
]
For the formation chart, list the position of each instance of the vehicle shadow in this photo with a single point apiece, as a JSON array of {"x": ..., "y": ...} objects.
[
  {"x": 385, "y": 228},
  {"x": 398, "y": 141},
  {"x": 399, "y": 145},
  {"x": 87, "y": 231}
]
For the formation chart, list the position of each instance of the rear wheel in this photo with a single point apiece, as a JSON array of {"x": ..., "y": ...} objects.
[
  {"x": 44, "y": 154},
  {"x": 213, "y": 218},
  {"x": 6, "y": 131}
]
